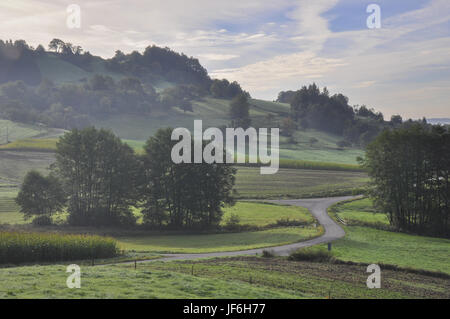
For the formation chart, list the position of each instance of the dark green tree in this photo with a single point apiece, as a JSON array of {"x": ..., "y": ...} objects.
[
  {"x": 396, "y": 120},
  {"x": 239, "y": 111},
  {"x": 183, "y": 195},
  {"x": 101, "y": 175},
  {"x": 40, "y": 196},
  {"x": 410, "y": 170}
]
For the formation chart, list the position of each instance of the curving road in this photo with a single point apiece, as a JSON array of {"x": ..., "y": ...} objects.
[{"x": 317, "y": 206}]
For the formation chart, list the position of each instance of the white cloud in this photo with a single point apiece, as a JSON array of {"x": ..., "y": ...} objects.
[
  {"x": 266, "y": 75},
  {"x": 218, "y": 56}
]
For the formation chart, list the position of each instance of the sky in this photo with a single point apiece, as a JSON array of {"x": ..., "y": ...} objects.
[{"x": 403, "y": 67}]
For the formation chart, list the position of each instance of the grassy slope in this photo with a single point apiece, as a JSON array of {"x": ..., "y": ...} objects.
[
  {"x": 59, "y": 71},
  {"x": 16, "y": 131},
  {"x": 243, "y": 277},
  {"x": 257, "y": 214},
  {"x": 214, "y": 112},
  {"x": 362, "y": 211},
  {"x": 370, "y": 245}
]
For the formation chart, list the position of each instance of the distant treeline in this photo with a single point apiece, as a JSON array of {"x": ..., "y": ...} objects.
[
  {"x": 315, "y": 108},
  {"x": 18, "y": 60}
]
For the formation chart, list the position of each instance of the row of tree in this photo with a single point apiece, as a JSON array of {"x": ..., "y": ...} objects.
[
  {"x": 410, "y": 169},
  {"x": 98, "y": 179},
  {"x": 312, "y": 107}
]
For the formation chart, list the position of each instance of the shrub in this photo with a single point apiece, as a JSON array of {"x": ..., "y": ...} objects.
[
  {"x": 232, "y": 222},
  {"x": 315, "y": 254},
  {"x": 17, "y": 247},
  {"x": 313, "y": 141},
  {"x": 286, "y": 222},
  {"x": 268, "y": 253},
  {"x": 40, "y": 195},
  {"x": 43, "y": 220}
]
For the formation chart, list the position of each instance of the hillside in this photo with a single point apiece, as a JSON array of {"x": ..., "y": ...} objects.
[{"x": 133, "y": 95}]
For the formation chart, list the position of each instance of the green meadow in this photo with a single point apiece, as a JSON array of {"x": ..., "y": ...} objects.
[
  {"x": 30, "y": 144},
  {"x": 206, "y": 243},
  {"x": 16, "y": 131},
  {"x": 260, "y": 215},
  {"x": 298, "y": 183},
  {"x": 240, "y": 277},
  {"x": 372, "y": 245}
]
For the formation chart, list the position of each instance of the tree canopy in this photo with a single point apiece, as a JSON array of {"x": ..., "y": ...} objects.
[
  {"x": 101, "y": 174},
  {"x": 40, "y": 195},
  {"x": 240, "y": 111},
  {"x": 183, "y": 195},
  {"x": 410, "y": 169}
]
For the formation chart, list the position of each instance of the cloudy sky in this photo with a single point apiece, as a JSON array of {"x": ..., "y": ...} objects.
[{"x": 269, "y": 46}]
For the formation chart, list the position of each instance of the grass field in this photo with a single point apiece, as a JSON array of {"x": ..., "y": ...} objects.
[
  {"x": 17, "y": 131},
  {"x": 29, "y": 144},
  {"x": 122, "y": 282},
  {"x": 213, "y": 112},
  {"x": 242, "y": 277},
  {"x": 291, "y": 183},
  {"x": 362, "y": 212},
  {"x": 261, "y": 215},
  {"x": 9, "y": 211},
  {"x": 217, "y": 242},
  {"x": 15, "y": 164},
  {"x": 371, "y": 245}
]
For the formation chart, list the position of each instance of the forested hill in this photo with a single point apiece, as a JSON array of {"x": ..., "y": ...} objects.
[
  {"x": 63, "y": 86},
  {"x": 19, "y": 61}
]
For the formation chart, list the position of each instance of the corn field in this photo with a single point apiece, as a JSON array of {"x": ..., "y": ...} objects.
[{"x": 20, "y": 247}]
